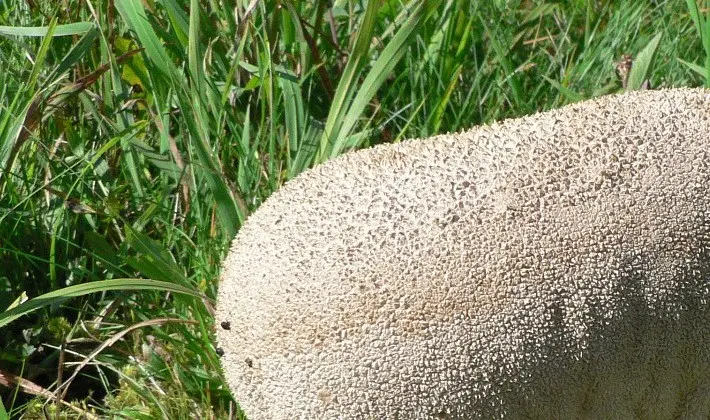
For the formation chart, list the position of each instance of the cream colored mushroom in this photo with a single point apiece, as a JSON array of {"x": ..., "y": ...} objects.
[{"x": 553, "y": 266}]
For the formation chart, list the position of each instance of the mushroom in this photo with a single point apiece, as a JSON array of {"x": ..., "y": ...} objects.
[{"x": 552, "y": 266}]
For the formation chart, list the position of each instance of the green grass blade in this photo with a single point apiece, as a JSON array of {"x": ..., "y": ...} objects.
[
  {"x": 227, "y": 211},
  {"x": 153, "y": 259},
  {"x": 61, "y": 295},
  {"x": 564, "y": 90},
  {"x": 307, "y": 150},
  {"x": 196, "y": 120},
  {"x": 15, "y": 129},
  {"x": 76, "y": 52},
  {"x": 435, "y": 119},
  {"x": 381, "y": 69},
  {"x": 133, "y": 13},
  {"x": 10, "y": 136},
  {"x": 193, "y": 53},
  {"x": 510, "y": 77},
  {"x": 698, "y": 20},
  {"x": 640, "y": 71},
  {"x": 178, "y": 19},
  {"x": 60, "y": 30},
  {"x": 348, "y": 82},
  {"x": 3, "y": 413},
  {"x": 295, "y": 121},
  {"x": 703, "y": 28},
  {"x": 702, "y": 71},
  {"x": 42, "y": 54}
]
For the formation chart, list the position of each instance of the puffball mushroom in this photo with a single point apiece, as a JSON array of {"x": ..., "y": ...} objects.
[{"x": 552, "y": 266}]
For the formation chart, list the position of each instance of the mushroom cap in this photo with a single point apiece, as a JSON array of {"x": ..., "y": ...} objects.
[{"x": 552, "y": 266}]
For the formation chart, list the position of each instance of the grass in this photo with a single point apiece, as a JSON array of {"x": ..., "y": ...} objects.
[{"x": 136, "y": 137}]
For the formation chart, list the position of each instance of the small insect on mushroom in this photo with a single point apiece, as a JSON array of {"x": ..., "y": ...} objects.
[{"x": 569, "y": 278}]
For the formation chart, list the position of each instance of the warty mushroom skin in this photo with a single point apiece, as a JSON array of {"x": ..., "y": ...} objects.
[{"x": 552, "y": 266}]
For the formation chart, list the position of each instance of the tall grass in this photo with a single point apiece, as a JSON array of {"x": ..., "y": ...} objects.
[{"x": 136, "y": 137}]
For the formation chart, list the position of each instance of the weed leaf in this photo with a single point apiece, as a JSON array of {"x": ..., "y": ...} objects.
[{"x": 641, "y": 69}]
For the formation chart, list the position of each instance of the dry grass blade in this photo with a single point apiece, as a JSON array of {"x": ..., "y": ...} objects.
[
  {"x": 63, "y": 388},
  {"x": 74, "y": 88},
  {"x": 10, "y": 380},
  {"x": 36, "y": 111}
]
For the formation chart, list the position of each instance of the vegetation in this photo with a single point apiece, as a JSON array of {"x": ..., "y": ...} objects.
[{"x": 137, "y": 135}]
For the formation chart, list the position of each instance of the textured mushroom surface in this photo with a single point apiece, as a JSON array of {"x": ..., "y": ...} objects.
[{"x": 552, "y": 266}]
